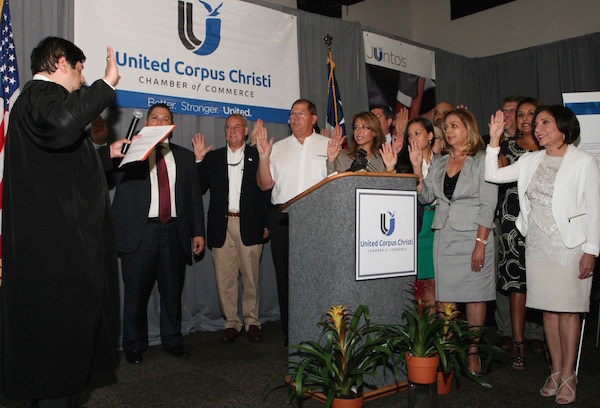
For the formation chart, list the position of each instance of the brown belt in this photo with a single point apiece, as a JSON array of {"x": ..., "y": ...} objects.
[{"x": 232, "y": 214}]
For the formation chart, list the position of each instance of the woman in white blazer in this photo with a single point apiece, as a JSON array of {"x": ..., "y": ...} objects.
[{"x": 559, "y": 199}]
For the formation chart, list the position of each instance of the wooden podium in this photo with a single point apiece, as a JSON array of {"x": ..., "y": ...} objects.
[{"x": 322, "y": 264}]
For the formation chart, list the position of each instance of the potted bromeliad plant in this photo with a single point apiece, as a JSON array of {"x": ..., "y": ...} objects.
[
  {"x": 438, "y": 334},
  {"x": 353, "y": 348}
]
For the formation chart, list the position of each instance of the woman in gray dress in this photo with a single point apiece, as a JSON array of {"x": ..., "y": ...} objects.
[{"x": 463, "y": 251}]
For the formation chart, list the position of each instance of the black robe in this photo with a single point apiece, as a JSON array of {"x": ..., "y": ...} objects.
[{"x": 59, "y": 293}]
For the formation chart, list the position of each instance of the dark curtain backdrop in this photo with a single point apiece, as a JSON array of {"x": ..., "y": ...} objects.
[{"x": 545, "y": 71}]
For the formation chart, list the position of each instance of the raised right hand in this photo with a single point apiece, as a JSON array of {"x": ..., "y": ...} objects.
[
  {"x": 200, "y": 149},
  {"x": 334, "y": 147},
  {"x": 416, "y": 156},
  {"x": 263, "y": 144},
  {"x": 111, "y": 74},
  {"x": 496, "y": 125}
]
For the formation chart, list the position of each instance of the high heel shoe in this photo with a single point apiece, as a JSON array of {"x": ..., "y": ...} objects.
[
  {"x": 566, "y": 399},
  {"x": 475, "y": 373},
  {"x": 550, "y": 391},
  {"x": 518, "y": 360}
]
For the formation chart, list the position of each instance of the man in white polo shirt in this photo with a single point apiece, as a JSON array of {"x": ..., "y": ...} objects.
[{"x": 289, "y": 167}]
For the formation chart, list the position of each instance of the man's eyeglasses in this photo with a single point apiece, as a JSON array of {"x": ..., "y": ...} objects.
[
  {"x": 512, "y": 111},
  {"x": 301, "y": 115},
  {"x": 355, "y": 128}
]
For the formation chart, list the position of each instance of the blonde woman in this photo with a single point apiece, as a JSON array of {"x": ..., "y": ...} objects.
[{"x": 463, "y": 250}]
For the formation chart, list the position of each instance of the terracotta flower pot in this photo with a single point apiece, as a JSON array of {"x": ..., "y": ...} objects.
[
  {"x": 444, "y": 383},
  {"x": 348, "y": 403},
  {"x": 421, "y": 370}
]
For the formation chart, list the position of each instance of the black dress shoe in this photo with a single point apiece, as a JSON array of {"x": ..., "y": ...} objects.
[
  {"x": 178, "y": 351},
  {"x": 254, "y": 334},
  {"x": 229, "y": 335},
  {"x": 134, "y": 357}
]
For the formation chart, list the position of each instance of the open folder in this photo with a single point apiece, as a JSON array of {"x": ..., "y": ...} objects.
[{"x": 150, "y": 136}]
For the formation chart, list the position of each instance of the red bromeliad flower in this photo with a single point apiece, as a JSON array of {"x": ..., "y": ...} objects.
[{"x": 419, "y": 292}]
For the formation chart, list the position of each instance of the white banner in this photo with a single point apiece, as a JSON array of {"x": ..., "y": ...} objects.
[
  {"x": 399, "y": 56},
  {"x": 586, "y": 106},
  {"x": 201, "y": 57},
  {"x": 399, "y": 75},
  {"x": 386, "y": 232}
]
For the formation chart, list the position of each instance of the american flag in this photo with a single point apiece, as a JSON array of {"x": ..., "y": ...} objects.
[
  {"x": 335, "y": 113},
  {"x": 9, "y": 90}
]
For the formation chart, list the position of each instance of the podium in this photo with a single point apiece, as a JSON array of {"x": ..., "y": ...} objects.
[{"x": 322, "y": 263}]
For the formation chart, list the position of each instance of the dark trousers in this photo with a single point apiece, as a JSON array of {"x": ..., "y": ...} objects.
[
  {"x": 280, "y": 249},
  {"x": 160, "y": 258}
]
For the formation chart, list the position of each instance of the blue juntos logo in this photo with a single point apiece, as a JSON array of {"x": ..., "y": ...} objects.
[
  {"x": 378, "y": 53},
  {"x": 387, "y": 231},
  {"x": 185, "y": 26}
]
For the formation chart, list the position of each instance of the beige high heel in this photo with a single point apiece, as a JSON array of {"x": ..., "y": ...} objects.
[
  {"x": 550, "y": 391},
  {"x": 566, "y": 399}
]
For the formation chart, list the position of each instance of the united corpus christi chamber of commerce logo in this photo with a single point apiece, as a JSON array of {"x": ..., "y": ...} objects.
[
  {"x": 185, "y": 25},
  {"x": 386, "y": 229}
]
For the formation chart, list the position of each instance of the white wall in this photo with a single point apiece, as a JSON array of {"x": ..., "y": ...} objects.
[{"x": 513, "y": 26}]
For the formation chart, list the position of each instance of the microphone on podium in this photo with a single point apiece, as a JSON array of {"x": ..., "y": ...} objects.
[
  {"x": 137, "y": 115},
  {"x": 361, "y": 162}
]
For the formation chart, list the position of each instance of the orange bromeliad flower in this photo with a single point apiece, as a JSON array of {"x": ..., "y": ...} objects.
[
  {"x": 339, "y": 316},
  {"x": 449, "y": 313}
]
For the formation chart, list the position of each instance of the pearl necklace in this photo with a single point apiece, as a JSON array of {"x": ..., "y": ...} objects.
[{"x": 455, "y": 158}]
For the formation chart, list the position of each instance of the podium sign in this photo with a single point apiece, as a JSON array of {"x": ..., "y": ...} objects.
[{"x": 386, "y": 233}]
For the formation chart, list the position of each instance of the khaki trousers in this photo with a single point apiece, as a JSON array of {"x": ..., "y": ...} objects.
[{"x": 232, "y": 261}]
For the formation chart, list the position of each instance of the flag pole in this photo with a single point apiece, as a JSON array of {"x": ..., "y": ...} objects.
[{"x": 328, "y": 40}]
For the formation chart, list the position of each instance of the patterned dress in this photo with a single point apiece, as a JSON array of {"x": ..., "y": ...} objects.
[
  {"x": 552, "y": 268},
  {"x": 511, "y": 244}
]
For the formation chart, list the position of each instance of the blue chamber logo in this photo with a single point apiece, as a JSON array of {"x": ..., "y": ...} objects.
[
  {"x": 185, "y": 25},
  {"x": 386, "y": 229}
]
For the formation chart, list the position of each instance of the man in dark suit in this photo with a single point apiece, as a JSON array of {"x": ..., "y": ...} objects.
[
  {"x": 154, "y": 237},
  {"x": 236, "y": 224}
]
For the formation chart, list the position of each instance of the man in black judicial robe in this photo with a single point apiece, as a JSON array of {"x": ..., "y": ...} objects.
[{"x": 59, "y": 305}]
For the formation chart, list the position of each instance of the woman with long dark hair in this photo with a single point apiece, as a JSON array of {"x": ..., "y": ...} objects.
[{"x": 368, "y": 136}]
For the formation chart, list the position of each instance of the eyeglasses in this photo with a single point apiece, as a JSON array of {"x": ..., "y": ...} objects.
[
  {"x": 301, "y": 115},
  {"x": 505, "y": 111},
  {"x": 363, "y": 127}
]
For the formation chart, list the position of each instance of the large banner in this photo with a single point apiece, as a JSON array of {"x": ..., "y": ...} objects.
[
  {"x": 586, "y": 106},
  {"x": 399, "y": 75},
  {"x": 201, "y": 57}
]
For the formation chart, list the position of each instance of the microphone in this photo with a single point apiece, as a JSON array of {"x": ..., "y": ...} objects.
[
  {"x": 360, "y": 163},
  {"x": 137, "y": 115},
  {"x": 362, "y": 153}
]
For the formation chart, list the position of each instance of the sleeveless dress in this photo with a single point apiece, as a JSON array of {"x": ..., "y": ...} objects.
[
  {"x": 511, "y": 244},
  {"x": 425, "y": 237},
  {"x": 552, "y": 268}
]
